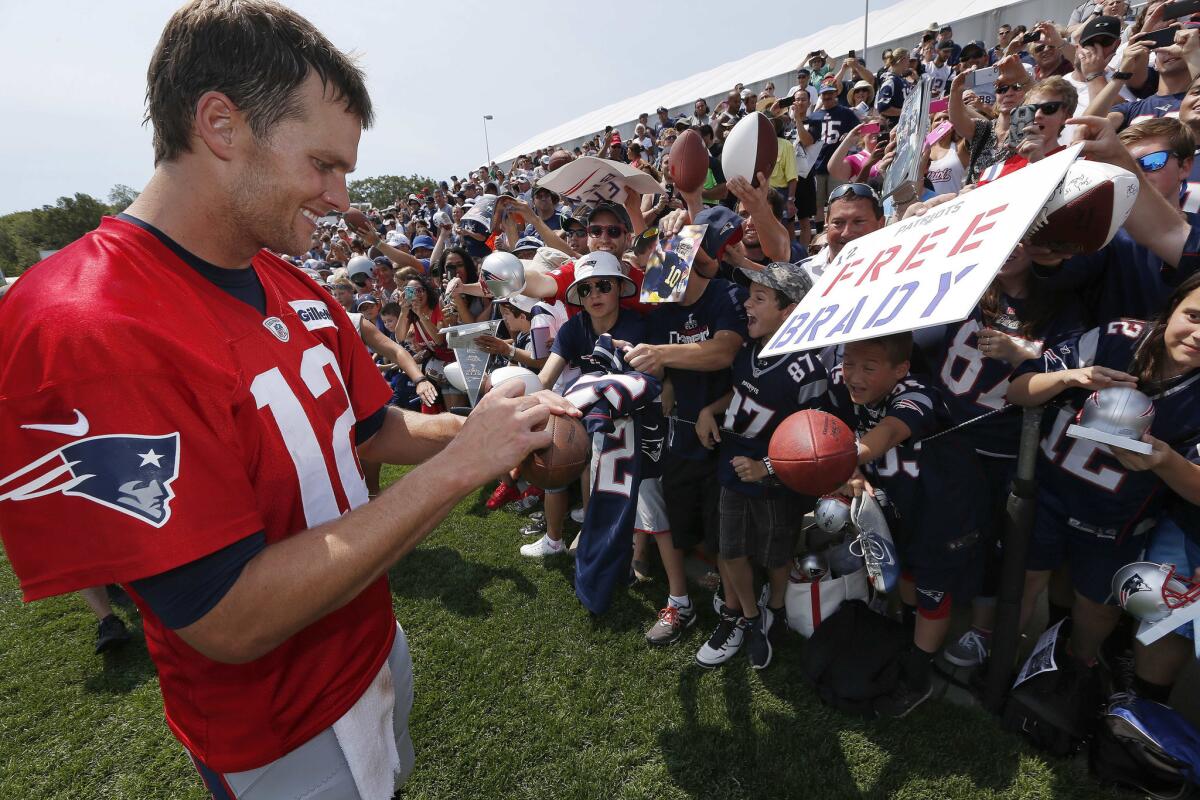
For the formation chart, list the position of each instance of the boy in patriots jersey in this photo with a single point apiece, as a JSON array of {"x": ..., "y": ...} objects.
[
  {"x": 759, "y": 517},
  {"x": 1093, "y": 511},
  {"x": 931, "y": 479}
]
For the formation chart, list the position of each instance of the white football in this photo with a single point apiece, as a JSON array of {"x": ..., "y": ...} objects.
[
  {"x": 532, "y": 384},
  {"x": 1087, "y": 208},
  {"x": 750, "y": 148}
]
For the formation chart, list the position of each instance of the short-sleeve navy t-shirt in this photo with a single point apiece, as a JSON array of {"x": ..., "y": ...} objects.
[
  {"x": 719, "y": 308},
  {"x": 577, "y": 338}
]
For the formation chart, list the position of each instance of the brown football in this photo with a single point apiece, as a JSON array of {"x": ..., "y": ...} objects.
[
  {"x": 689, "y": 161},
  {"x": 356, "y": 220},
  {"x": 559, "y": 158},
  {"x": 563, "y": 460}
]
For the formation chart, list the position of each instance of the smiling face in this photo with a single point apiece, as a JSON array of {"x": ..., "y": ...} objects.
[
  {"x": 763, "y": 314},
  {"x": 849, "y": 218},
  {"x": 297, "y": 173},
  {"x": 868, "y": 373},
  {"x": 605, "y": 242},
  {"x": 1182, "y": 336},
  {"x": 1167, "y": 179}
]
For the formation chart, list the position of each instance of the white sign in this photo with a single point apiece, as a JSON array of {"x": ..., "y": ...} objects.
[
  {"x": 924, "y": 271},
  {"x": 472, "y": 360},
  {"x": 590, "y": 179}
]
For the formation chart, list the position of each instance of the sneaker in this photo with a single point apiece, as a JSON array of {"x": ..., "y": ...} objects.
[
  {"x": 903, "y": 699},
  {"x": 725, "y": 641},
  {"x": 535, "y": 527},
  {"x": 543, "y": 547},
  {"x": 577, "y": 515},
  {"x": 111, "y": 633},
  {"x": 671, "y": 624},
  {"x": 779, "y": 627},
  {"x": 758, "y": 645},
  {"x": 505, "y": 493},
  {"x": 970, "y": 650},
  {"x": 526, "y": 503}
]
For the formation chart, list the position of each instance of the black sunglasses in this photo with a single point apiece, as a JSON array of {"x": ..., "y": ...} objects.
[
  {"x": 602, "y": 286},
  {"x": 1004, "y": 88},
  {"x": 1052, "y": 107},
  {"x": 613, "y": 231}
]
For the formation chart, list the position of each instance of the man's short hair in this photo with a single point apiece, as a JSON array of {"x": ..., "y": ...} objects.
[
  {"x": 1057, "y": 85},
  {"x": 257, "y": 53},
  {"x": 1178, "y": 136}
]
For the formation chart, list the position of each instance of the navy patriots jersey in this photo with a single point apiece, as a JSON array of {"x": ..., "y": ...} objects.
[
  {"x": 614, "y": 402},
  {"x": 1153, "y": 107},
  {"x": 1081, "y": 475},
  {"x": 766, "y": 391},
  {"x": 1123, "y": 279},
  {"x": 719, "y": 308},
  {"x": 940, "y": 474},
  {"x": 974, "y": 386}
]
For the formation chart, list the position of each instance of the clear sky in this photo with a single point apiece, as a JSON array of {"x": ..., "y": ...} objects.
[{"x": 74, "y": 75}]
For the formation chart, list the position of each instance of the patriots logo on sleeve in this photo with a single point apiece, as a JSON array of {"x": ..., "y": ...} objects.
[{"x": 129, "y": 473}]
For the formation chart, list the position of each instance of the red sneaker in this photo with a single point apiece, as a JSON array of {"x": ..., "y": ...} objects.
[{"x": 505, "y": 493}]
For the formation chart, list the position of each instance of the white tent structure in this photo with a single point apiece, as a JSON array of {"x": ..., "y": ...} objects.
[{"x": 898, "y": 25}]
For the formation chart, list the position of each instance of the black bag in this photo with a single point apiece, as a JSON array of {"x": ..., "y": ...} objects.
[
  {"x": 1146, "y": 746},
  {"x": 854, "y": 657},
  {"x": 1056, "y": 708}
]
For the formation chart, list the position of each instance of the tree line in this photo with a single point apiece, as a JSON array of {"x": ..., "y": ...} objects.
[{"x": 23, "y": 234}]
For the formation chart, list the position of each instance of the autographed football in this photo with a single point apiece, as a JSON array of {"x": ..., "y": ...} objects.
[
  {"x": 689, "y": 161},
  {"x": 750, "y": 148},
  {"x": 1086, "y": 210},
  {"x": 562, "y": 461},
  {"x": 813, "y": 453}
]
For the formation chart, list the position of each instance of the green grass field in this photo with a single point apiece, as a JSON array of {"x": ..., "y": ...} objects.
[{"x": 519, "y": 694}]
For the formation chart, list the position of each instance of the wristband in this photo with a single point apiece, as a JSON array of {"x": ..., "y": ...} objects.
[
  {"x": 770, "y": 469},
  {"x": 1122, "y": 76},
  {"x": 512, "y": 351}
]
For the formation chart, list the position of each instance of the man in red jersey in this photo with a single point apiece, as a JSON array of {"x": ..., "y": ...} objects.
[{"x": 196, "y": 436}]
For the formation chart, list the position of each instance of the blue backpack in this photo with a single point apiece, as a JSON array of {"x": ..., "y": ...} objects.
[{"x": 1146, "y": 746}]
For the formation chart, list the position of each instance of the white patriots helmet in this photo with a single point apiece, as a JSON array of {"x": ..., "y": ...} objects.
[
  {"x": 832, "y": 513},
  {"x": 1151, "y": 592},
  {"x": 503, "y": 274},
  {"x": 1116, "y": 415}
]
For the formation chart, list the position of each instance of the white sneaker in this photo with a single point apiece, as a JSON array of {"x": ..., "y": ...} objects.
[
  {"x": 577, "y": 514},
  {"x": 543, "y": 547},
  {"x": 969, "y": 651},
  {"x": 724, "y": 643}
]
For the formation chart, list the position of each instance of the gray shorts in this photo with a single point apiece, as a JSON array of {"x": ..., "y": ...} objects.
[
  {"x": 317, "y": 769},
  {"x": 763, "y": 529}
]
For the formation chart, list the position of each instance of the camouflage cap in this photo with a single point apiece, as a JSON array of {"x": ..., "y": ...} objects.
[{"x": 790, "y": 279}]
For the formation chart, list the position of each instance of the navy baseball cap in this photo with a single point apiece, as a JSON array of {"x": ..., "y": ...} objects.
[
  {"x": 977, "y": 44},
  {"x": 724, "y": 229},
  {"x": 615, "y": 209}
]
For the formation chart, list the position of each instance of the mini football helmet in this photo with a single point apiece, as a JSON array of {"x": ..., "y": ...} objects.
[
  {"x": 832, "y": 513},
  {"x": 1118, "y": 411},
  {"x": 1150, "y": 592},
  {"x": 503, "y": 274},
  {"x": 359, "y": 265}
]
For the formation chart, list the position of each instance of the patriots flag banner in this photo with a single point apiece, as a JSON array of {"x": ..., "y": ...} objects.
[
  {"x": 125, "y": 472},
  {"x": 614, "y": 402}
]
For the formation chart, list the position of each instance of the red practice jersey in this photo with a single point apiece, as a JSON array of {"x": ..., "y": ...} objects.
[{"x": 149, "y": 419}]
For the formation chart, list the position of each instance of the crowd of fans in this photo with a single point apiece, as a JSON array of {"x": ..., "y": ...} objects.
[
  {"x": 937, "y": 414},
  {"x": 415, "y": 270}
]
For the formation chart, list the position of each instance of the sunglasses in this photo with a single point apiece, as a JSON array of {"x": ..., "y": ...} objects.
[
  {"x": 576, "y": 233},
  {"x": 1005, "y": 88},
  {"x": 613, "y": 231},
  {"x": 1153, "y": 162},
  {"x": 1038, "y": 49},
  {"x": 1103, "y": 41},
  {"x": 856, "y": 189},
  {"x": 1052, "y": 107},
  {"x": 602, "y": 286}
]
